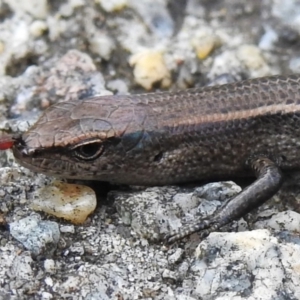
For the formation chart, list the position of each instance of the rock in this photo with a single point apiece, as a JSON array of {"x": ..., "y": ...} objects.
[
  {"x": 294, "y": 65},
  {"x": 41, "y": 87},
  {"x": 39, "y": 237},
  {"x": 67, "y": 229},
  {"x": 102, "y": 45},
  {"x": 37, "y": 28},
  {"x": 49, "y": 265},
  {"x": 46, "y": 296},
  {"x": 150, "y": 68},
  {"x": 253, "y": 60},
  {"x": 21, "y": 267},
  {"x": 155, "y": 15},
  {"x": 154, "y": 212},
  {"x": 118, "y": 85},
  {"x": 71, "y": 202},
  {"x": 204, "y": 45},
  {"x": 287, "y": 12},
  {"x": 268, "y": 40},
  {"x": 176, "y": 256},
  {"x": 37, "y": 8},
  {"x": 286, "y": 220},
  {"x": 246, "y": 58},
  {"x": 249, "y": 263},
  {"x": 112, "y": 5}
]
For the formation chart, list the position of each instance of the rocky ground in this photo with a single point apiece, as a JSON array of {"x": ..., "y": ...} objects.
[{"x": 60, "y": 50}]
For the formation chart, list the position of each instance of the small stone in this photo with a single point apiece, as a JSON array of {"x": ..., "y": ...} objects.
[
  {"x": 49, "y": 265},
  {"x": 184, "y": 297},
  {"x": 67, "y": 229},
  {"x": 71, "y": 284},
  {"x": 150, "y": 68},
  {"x": 3, "y": 206},
  {"x": 66, "y": 10},
  {"x": 168, "y": 274},
  {"x": 49, "y": 281},
  {"x": 37, "y": 236},
  {"x": 294, "y": 64},
  {"x": 287, "y": 12},
  {"x": 77, "y": 248},
  {"x": 102, "y": 45},
  {"x": 97, "y": 295},
  {"x": 37, "y": 8},
  {"x": 71, "y": 202},
  {"x": 286, "y": 220},
  {"x": 46, "y": 296},
  {"x": 118, "y": 85},
  {"x": 251, "y": 57},
  {"x": 156, "y": 16},
  {"x": 225, "y": 62},
  {"x": 112, "y": 5},
  {"x": 76, "y": 3},
  {"x": 205, "y": 45},
  {"x": 176, "y": 256},
  {"x": 37, "y": 28},
  {"x": 268, "y": 40},
  {"x": 21, "y": 267},
  {"x": 218, "y": 190}
]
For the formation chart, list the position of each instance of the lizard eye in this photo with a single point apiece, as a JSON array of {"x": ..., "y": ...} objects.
[{"x": 89, "y": 150}]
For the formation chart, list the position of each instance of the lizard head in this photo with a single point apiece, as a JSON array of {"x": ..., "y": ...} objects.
[{"x": 89, "y": 139}]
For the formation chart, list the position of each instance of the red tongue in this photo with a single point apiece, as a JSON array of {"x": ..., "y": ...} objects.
[{"x": 6, "y": 142}]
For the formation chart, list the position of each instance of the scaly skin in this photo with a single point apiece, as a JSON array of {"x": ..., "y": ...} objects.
[{"x": 248, "y": 128}]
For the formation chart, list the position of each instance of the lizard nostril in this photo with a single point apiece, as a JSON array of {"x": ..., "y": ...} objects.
[
  {"x": 158, "y": 157},
  {"x": 21, "y": 146}
]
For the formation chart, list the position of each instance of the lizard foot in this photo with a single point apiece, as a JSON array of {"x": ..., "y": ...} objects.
[{"x": 205, "y": 226}]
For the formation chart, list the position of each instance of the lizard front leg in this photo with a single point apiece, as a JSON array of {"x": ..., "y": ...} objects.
[{"x": 268, "y": 182}]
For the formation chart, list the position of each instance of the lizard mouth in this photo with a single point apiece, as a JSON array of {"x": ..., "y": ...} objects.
[
  {"x": 23, "y": 154},
  {"x": 26, "y": 157},
  {"x": 20, "y": 149}
]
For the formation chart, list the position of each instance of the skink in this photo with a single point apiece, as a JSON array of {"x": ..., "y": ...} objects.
[{"x": 248, "y": 128}]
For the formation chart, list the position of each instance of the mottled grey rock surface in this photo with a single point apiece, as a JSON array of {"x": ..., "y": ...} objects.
[{"x": 59, "y": 50}]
